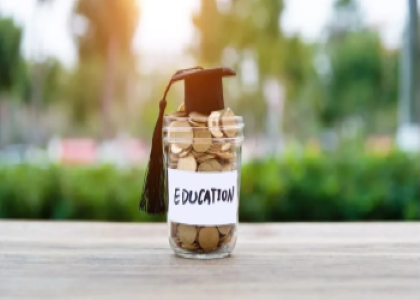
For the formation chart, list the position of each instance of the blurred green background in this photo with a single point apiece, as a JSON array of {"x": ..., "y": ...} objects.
[{"x": 329, "y": 93}]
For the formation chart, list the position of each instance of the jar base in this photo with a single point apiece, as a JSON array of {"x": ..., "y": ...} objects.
[
  {"x": 216, "y": 254},
  {"x": 202, "y": 255}
]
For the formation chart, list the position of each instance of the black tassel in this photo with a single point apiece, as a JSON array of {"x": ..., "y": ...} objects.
[{"x": 153, "y": 197}]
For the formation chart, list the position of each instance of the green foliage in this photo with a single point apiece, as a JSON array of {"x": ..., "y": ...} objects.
[
  {"x": 361, "y": 76},
  {"x": 305, "y": 188},
  {"x": 10, "y": 59},
  {"x": 345, "y": 187},
  {"x": 89, "y": 193}
]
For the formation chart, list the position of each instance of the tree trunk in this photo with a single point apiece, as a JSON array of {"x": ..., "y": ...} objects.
[
  {"x": 37, "y": 83},
  {"x": 109, "y": 89}
]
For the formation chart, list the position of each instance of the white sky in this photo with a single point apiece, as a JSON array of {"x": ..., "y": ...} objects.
[{"x": 166, "y": 29}]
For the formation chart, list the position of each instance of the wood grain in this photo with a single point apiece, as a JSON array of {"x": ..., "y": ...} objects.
[{"x": 59, "y": 260}]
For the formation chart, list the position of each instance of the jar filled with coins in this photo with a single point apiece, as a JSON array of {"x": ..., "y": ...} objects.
[
  {"x": 203, "y": 159},
  {"x": 195, "y": 166}
]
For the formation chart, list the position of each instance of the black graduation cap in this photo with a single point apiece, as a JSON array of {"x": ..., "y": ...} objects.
[
  {"x": 203, "y": 94},
  {"x": 203, "y": 88}
]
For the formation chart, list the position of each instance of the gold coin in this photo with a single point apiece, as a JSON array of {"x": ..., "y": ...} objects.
[
  {"x": 225, "y": 229},
  {"x": 215, "y": 148},
  {"x": 222, "y": 239},
  {"x": 205, "y": 157},
  {"x": 233, "y": 159},
  {"x": 190, "y": 246},
  {"x": 187, "y": 163},
  {"x": 197, "y": 154},
  {"x": 213, "y": 124},
  {"x": 181, "y": 130},
  {"x": 215, "y": 165},
  {"x": 228, "y": 123},
  {"x": 226, "y": 168},
  {"x": 181, "y": 107},
  {"x": 187, "y": 233},
  {"x": 177, "y": 241},
  {"x": 175, "y": 149},
  {"x": 173, "y": 158},
  {"x": 226, "y": 155},
  {"x": 202, "y": 140},
  {"x": 196, "y": 124},
  {"x": 197, "y": 117},
  {"x": 185, "y": 152},
  {"x": 225, "y": 147},
  {"x": 178, "y": 114},
  {"x": 208, "y": 238},
  {"x": 205, "y": 167}
]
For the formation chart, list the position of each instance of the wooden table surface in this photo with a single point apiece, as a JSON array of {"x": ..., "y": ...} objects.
[{"x": 55, "y": 260}]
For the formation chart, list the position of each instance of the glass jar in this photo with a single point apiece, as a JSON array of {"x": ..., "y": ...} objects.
[{"x": 203, "y": 168}]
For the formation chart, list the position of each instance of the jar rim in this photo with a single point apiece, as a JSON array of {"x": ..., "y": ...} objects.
[
  {"x": 186, "y": 129},
  {"x": 234, "y": 140},
  {"x": 168, "y": 118}
]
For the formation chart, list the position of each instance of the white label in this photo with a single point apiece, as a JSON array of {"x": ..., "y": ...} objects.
[{"x": 202, "y": 198}]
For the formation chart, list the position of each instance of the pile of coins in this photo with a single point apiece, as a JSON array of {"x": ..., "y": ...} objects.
[
  {"x": 199, "y": 141},
  {"x": 200, "y": 239}
]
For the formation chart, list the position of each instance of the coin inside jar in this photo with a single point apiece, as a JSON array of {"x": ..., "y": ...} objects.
[
  {"x": 228, "y": 123},
  {"x": 213, "y": 124},
  {"x": 187, "y": 163},
  {"x": 190, "y": 246},
  {"x": 187, "y": 233},
  {"x": 175, "y": 149},
  {"x": 215, "y": 165},
  {"x": 225, "y": 147},
  {"x": 226, "y": 155},
  {"x": 181, "y": 130},
  {"x": 181, "y": 107},
  {"x": 208, "y": 238},
  {"x": 173, "y": 157},
  {"x": 225, "y": 229},
  {"x": 205, "y": 167},
  {"x": 184, "y": 152},
  {"x": 202, "y": 140},
  {"x": 198, "y": 154},
  {"x": 226, "y": 168},
  {"x": 178, "y": 114},
  {"x": 197, "y": 117},
  {"x": 173, "y": 165},
  {"x": 206, "y": 157}
]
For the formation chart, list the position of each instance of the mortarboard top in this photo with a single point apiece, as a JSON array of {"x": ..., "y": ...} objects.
[{"x": 203, "y": 88}]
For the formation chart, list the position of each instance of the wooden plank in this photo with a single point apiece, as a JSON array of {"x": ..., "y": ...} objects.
[{"x": 61, "y": 260}]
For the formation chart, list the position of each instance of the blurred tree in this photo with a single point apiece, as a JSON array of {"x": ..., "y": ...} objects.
[
  {"x": 10, "y": 59},
  {"x": 81, "y": 103},
  {"x": 359, "y": 77},
  {"x": 213, "y": 37},
  {"x": 106, "y": 40},
  {"x": 11, "y": 74},
  {"x": 247, "y": 33}
]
